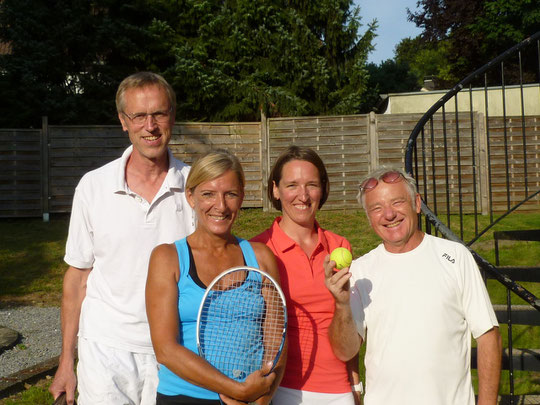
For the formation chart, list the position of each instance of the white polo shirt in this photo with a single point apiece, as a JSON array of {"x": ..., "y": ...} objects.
[{"x": 113, "y": 231}]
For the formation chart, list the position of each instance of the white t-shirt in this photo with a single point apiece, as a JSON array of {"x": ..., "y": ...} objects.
[
  {"x": 113, "y": 231},
  {"x": 419, "y": 310}
]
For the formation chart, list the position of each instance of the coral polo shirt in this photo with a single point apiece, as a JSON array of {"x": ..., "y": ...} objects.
[{"x": 311, "y": 363}]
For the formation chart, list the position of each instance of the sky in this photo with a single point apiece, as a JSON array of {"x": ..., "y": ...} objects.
[{"x": 393, "y": 25}]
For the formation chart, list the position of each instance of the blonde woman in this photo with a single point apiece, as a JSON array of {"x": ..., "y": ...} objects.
[{"x": 177, "y": 279}]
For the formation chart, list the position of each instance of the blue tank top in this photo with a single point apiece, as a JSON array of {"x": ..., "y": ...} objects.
[{"x": 189, "y": 299}]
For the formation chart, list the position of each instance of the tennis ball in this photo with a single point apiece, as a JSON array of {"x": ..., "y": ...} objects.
[{"x": 342, "y": 257}]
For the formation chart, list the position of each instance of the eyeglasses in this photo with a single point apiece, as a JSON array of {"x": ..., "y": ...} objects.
[
  {"x": 139, "y": 119},
  {"x": 388, "y": 177}
]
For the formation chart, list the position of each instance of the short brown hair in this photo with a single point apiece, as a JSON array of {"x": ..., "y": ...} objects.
[
  {"x": 294, "y": 152},
  {"x": 143, "y": 79}
]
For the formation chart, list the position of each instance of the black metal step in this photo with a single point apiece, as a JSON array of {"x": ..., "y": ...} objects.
[
  {"x": 530, "y": 274},
  {"x": 523, "y": 359},
  {"x": 521, "y": 315},
  {"x": 519, "y": 400}
]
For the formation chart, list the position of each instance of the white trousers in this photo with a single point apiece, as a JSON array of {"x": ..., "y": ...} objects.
[
  {"x": 288, "y": 396},
  {"x": 110, "y": 376}
]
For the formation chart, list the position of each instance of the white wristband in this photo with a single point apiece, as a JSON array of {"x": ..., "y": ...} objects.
[{"x": 358, "y": 387}]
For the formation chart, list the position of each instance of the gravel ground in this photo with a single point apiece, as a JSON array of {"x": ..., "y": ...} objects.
[{"x": 40, "y": 338}]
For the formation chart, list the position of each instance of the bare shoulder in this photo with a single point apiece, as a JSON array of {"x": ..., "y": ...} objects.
[
  {"x": 266, "y": 259},
  {"x": 164, "y": 249},
  {"x": 163, "y": 259},
  {"x": 262, "y": 251}
]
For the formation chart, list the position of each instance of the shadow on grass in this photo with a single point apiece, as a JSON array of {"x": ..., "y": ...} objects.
[{"x": 31, "y": 260}]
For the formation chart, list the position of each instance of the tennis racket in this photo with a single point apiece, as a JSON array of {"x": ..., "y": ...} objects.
[
  {"x": 242, "y": 322},
  {"x": 61, "y": 400}
]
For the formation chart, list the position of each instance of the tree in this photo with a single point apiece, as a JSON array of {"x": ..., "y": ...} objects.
[
  {"x": 288, "y": 57},
  {"x": 426, "y": 59},
  {"x": 389, "y": 76},
  {"x": 476, "y": 31},
  {"x": 66, "y": 59},
  {"x": 226, "y": 59}
]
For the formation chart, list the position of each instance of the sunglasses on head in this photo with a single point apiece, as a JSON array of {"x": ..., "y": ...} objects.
[{"x": 388, "y": 177}]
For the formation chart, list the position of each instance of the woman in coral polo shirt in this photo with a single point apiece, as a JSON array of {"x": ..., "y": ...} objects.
[{"x": 298, "y": 186}]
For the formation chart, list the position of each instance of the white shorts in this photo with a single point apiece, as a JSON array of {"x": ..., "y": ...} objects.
[
  {"x": 107, "y": 376},
  {"x": 288, "y": 396}
]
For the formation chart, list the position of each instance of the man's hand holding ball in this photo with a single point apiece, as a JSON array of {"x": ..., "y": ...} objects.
[{"x": 342, "y": 257}]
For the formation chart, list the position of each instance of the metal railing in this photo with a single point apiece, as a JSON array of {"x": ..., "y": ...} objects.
[{"x": 500, "y": 156}]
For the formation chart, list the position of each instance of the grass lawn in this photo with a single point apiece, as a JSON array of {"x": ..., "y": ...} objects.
[
  {"x": 31, "y": 260},
  {"x": 32, "y": 267}
]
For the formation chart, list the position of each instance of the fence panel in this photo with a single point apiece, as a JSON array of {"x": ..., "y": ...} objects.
[
  {"x": 75, "y": 150},
  {"x": 20, "y": 173},
  {"x": 190, "y": 140},
  {"x": 349, "y": 145},
  {"x": 508, "y": 161}
]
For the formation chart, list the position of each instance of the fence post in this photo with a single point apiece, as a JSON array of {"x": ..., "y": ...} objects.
[
  {"x": 482, "y": 165},
  {"x": 265, "y": 159},
  {"x": 373, "y": 141},
  {"x": 45, "y": 168}
]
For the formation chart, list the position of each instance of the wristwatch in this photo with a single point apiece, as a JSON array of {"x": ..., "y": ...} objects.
[{"x": 358, "y": 387}]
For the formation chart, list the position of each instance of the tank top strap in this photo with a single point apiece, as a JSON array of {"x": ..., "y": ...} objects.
[
  {"x": 248, "y": 252},
  {"x": 183, "y": 258},
  {"x": 250, "y": 258}
]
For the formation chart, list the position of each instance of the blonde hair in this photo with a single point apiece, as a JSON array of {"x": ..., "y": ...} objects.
[
  {"x": 142, "y": 79},
  {"x": 212, "y": 165}
]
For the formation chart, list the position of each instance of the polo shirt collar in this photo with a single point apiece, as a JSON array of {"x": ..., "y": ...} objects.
[
  {"x": 174, "y": 178},
  {"x": 283, "y": 242}
]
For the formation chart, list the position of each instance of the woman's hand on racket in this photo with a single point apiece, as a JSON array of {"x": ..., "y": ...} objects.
[
  {"x": 259, "y": 383},
  {"x": 231, "y": 401},
  {"x": 337, "y": 282},
  {"x": 255, "y": 386}
]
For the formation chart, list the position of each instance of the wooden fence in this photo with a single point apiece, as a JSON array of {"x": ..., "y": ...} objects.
[
  {"x": 458, "y": 155},
  {"x": 20, "y": 173},
  {"x": 39, "y": 169}
]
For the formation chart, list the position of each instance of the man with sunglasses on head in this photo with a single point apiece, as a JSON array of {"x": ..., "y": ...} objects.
[
  {"x": 416, "y": 300},
  {"x": 121, "y": 211}
]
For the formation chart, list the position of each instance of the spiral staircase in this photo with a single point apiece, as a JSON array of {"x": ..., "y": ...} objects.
[{"x": 476, "y": 157}]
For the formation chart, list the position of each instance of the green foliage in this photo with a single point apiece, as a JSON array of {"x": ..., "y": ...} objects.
[
  {"x": 477, "y": 31},
  {"x": 285, "y": 57},
  {"x": 506, "y": 22},
  {"x": 67, "y": 58},
  {"x": 226, "y": 59},
  {"x": 426, "y": 59},
  {"x": 37, "y": 394},
  {"x": 389, "y": 77}
]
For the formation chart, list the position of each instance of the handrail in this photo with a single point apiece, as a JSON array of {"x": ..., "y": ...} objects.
[
  {"x": 482, "y": 263},
  {"x": 456, "y": 89},
  {"x": 429, "y": 214}
]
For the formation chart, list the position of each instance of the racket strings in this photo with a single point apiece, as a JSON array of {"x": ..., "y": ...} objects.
[{"x": 242, "y": 324}]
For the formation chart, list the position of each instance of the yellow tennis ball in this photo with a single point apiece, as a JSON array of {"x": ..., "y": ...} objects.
[{"x": 342, "y": 257}]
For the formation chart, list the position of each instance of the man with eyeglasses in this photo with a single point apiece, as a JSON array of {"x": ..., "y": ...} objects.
[
  {"x": 415, "y": 299},
  {"x": 121, "y": 211}
]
